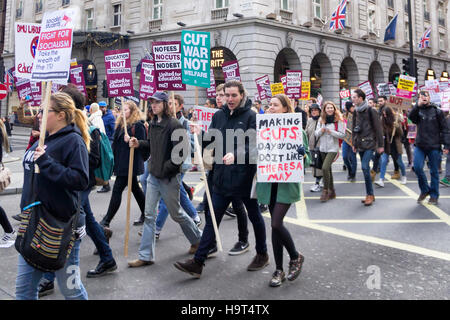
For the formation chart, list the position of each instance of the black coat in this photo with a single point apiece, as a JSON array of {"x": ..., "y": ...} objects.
[
  {"x": 235, "y": 179},
  {"x": 304, "y": 116},
  {"x": 121, "y": 150},
  {"x": 432, "y": 128},
  {"x": 94, "y": 156}
]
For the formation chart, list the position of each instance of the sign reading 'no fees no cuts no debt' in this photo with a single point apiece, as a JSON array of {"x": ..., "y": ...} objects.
[{"x": 167, "y": 57}]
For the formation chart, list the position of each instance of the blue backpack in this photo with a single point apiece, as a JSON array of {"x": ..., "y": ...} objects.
[{"x": 105, "y": 170}]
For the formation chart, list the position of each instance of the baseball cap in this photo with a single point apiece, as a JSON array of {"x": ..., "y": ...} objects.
[
  {"x": 87, "y": 107},
  {"x": 160, "y": 96},
  {"x": 102, "y": 104}
]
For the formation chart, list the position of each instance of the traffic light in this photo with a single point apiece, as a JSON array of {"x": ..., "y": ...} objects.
[
  {"x": 406, "y": 66},
  {"x": 104, "y": 89}
]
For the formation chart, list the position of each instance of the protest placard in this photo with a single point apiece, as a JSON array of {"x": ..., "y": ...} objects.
[
  {"x": 306, "y": 90},
  {"x": 367, "y": 88},
  {"x": 294, "y": 84},
  {"x": 263, "y": 87},
  {"x": 392, "y": 89},
  {"x": 147, "y": 83},
  {"x": 119, "y": 78},
  {"x": 283, "y": 80},
  {"x": 167, "y": 57},
  {"x": 445, "y": 100},
  {"x": 26, "y": 41},
  {"x": 277, "y": 88},
  {"x": 412, "y": 131},
  {"x": 399, "y": 103},
  {"x": 77, "y": 78},
  {"x": 196, "y": 58},
  {"x": 443, "y": 85},
  {"x": 231, "y": 71},
  {"x": 54, "y": 48},
  {"x": 211, "y": 91},
  {"x": 204, "y": 116},
  {"x": 36, "y": 92},
  {"x": 405, "y": 87},
  {"x": 348, "y": 129},
  {"x": 23, "y": 87},
  {"x": 278, "y": 138},
  {"x": 344, "y": 94},
  {"x": 383, "y": 89}
]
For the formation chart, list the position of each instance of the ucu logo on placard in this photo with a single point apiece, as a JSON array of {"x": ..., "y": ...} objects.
[
  {"x": 177, "y": 85},
  {"x": 127, "y": 91}
]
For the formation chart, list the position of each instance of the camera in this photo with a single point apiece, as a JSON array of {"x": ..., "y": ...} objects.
[{"x": 356, "y": 129}]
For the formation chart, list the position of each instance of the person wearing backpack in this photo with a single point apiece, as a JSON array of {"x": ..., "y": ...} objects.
[
  {"x": 367, "y": 136},
  {"x": 330, "y": 131},
  {"x": 64, "y": 172},
  {"x": 432, "y": 132},
  {"x": 121, "y": 151}
]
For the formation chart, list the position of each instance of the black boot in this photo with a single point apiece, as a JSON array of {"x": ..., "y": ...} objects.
[
  {"x": 104, "y": 189},
  {"x": 102, "y": 269}
]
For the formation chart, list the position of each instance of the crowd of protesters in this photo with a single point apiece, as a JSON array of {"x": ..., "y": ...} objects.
[{"x": 71, "y": 155}]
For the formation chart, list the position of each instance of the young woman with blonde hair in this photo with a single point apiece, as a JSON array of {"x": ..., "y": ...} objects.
[
  {"x": 64, "y": 172},
  {"x": 121, "y": 151}
]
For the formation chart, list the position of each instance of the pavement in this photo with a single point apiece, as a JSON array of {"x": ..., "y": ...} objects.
[{"x": 395, "y": 249}]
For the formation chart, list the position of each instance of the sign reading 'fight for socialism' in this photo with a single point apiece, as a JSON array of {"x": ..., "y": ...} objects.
[{"x": 196, "y": 58}]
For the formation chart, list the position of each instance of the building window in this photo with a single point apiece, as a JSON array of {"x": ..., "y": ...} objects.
[
  {"x": 405, "y": 5},
  {"x": 441, "y": 12},
  {"x": 117, "y": 15},
  {"x": 19, "y": 9},
  {"x": 317, "y": 9},
  {"x": 89, "y": 19},
  {"x": 220, "y": 4},
  {"x": 285, "y": 5},
  {"x": 348, "y": 14},
  {"x": 426, "y": 11},
  {"x": 157, "y": 9},
  {"x": 38, "y": 7},
  {"x": 441, "y": 41},
  {"x": 65, "y": 2},
  {"x": 390, "y": 4},
  {"x": 406, "y": 31}
]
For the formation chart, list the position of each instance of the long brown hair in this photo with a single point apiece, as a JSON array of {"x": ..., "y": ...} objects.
[
  {"x": 167, "y": 111},
  {"x": 62, "y": 102},
  {"x": 5, "y": 137},
  {"x": 135, "y": 115},
  {"x": 337, "y": 113},
  {"x": 285, "y": 102}
]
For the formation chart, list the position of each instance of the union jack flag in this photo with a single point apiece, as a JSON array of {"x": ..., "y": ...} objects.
[
  {"x": 425, "y": 40},
  {"x": 338, "y": 16},
  {"x": 9, "y": 81}
]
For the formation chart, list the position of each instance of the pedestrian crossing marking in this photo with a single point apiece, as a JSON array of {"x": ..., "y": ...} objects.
[
  {"x": 377, "y": 221},
  {"x": 300, "y": 206},
  {"x": 376, "y": 197}
]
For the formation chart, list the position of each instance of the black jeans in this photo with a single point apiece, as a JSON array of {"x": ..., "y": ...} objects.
[
  {"x": 116, "y": 197},
  {"x": 4, "y": 222}
]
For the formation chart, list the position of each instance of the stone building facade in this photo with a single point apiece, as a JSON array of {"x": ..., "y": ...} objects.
[{"x": 265, "y": 36}]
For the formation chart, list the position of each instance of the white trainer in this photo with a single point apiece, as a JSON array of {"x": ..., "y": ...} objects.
[
  {"x": 403, "y": 180},
  {"x": 379, "y": 183},
  {"x": 8, "y": 240}
]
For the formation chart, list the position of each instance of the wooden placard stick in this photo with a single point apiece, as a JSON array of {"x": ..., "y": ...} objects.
[
  {"x": 43, "y": 128},
  {"x": 172, "y": 97}
]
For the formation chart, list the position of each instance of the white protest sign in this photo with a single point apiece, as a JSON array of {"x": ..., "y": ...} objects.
[
  {"x": 278, "y": 138},
  {"x": 54, "y": 49},
  {"x": 204, "y": 116},
  {"x": 26, "y": 41}
]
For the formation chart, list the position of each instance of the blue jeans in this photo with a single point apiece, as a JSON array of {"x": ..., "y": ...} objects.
[
  {"x": 69, "y": 280},
  {"x": 384, "y": 162},
  {"x": 185, "y": 202},
  {"x": 419, "y": 159},
  {"x": 143, "y": 177},
  {"x": 169, "y": 190},
  {"x": 366, "y": 156},
  {"x": 220, "y": 204},
  {"x": 349, "y": 158}
]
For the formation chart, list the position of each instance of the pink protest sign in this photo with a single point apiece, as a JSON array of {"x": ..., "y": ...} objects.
[
  {"x": 263, "y": 86},
  {"x": 36, "y": 92},
  {"x": 147, "y": 84},
  {"x": 293, "y": 85},
  {"x": 119, "y": 78},
  {"x": 211, "y": 91},
  {"x": 77, "y": 78},
  {"x": 231, "y": 71},
  {"x": 23, "y": 87},
  {"x": 167, "y": 56},
  {"x": 283, "y": 80}
]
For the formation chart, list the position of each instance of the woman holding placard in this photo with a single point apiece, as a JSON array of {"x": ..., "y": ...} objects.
[
  {"x": 331, "y": 131},
  {"x": 279, "y": 197}
]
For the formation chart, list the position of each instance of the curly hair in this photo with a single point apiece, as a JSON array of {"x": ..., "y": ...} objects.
[
  {"x": 337, "y": 114},
  {"x": 135, "y": 115}
]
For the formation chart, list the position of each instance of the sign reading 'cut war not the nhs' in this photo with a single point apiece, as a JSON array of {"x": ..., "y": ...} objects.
[
  {"x": 196, "y": 58},
  {"x": 118, "y": 73},
  {"x": 167, "y": 56},
  {"x": 278, "y": 138}
]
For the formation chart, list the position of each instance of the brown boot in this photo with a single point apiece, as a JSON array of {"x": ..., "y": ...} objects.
[
  {"x": 396, "y": 175},
  {"x": 331, "y": 194},
  {"x": 324, "y": 196},
  {"x": 369, "y": 200}
]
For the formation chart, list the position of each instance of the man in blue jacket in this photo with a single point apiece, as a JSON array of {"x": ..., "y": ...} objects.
[{"x": 110, "y": 123}]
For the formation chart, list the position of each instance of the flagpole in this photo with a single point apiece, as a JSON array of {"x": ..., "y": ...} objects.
[{"x": 412, "y": 66}]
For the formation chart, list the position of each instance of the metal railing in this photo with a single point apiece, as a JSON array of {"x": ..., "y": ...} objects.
[
  {"x": 155, "y": 24},
  {"x": 285, "y": 15},
  {"x": 217, "y": 14}
]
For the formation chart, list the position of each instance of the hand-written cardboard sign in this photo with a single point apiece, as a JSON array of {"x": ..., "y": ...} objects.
[
  {"x": 278, "y": 138},
  {"x": 367, "y": 88},
  {"x": 77, "y": 78},
  {"x": 26, "y": 41},
  {"x": 294, "y": 84},
  {"x": 399, "y": 103},
  {"x": 263, "y": 87},
  {"x": 118, "y": 73},
  {"x": 306, "y": 90},
  {"x": 196, "y": 58},
  {"x": 147, "y": 83},
  {"x": 277, "y": 88},
  {"x": 383, "y": 89},
  {"x": 405, "y": 86},
  {"x": 54, "y": 48},
  {"x": 211, "y": 91},
  {"x": 231, "y": 71},
  {"x": 204, "y": 116},
  {"x": 167, "y": 56}
]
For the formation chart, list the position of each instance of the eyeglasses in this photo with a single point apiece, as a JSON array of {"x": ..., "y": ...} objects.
[{"x": 41, "y": 111}]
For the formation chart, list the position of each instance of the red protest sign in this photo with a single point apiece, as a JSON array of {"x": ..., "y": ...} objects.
[{"x": 231, "y": 71}]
